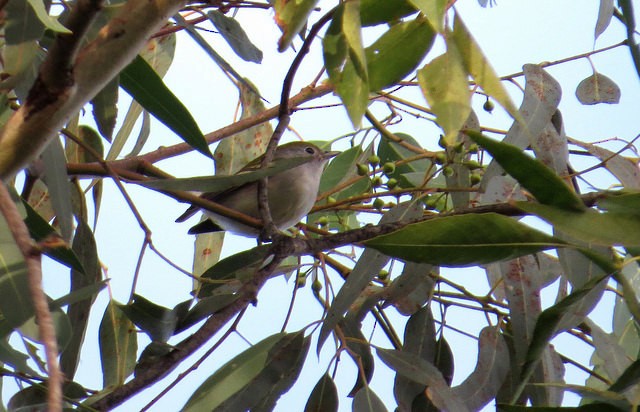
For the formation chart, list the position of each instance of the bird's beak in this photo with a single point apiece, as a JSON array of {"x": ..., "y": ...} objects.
[{"x": 329, "y": 155}]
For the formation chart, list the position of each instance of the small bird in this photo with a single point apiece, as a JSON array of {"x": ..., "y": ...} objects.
[{"x": 292, "y": 193}]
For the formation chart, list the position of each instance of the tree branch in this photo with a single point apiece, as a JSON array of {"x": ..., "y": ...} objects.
[
  {"x": 36, "y": 122},
  {"x": 33, "y": 257}
]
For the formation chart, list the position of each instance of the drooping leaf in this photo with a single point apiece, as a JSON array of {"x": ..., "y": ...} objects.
[
  {"x": 546, "y": 327},
  {"x": 157, "y": 321},
  {"x": 605, "y": 12},
  {"x": 105, "y": 108},
  {"x": 434, "y": 10},
  {"x": 142, "y": 82},
  {"x": 159, "y": 54},
  {"x": 16, "y": 305},
  {"x": 598, "y": 88},
  {"x": 444, "y": 84},
  {"x": 118, "y": 346},
  {"x": 540, "y": 102},
  {"x": 55, "y": 166},
  {"x": 40, "y": 229},
  {"x": 324, "y": 396},
  {"x": 398, "y": 52},
  {"x": 345, "y": 61},
  {"x": 463, "y": 240},
  {"x": 477, "y": 64},
  {"x": 624, "y": 169},
  {"x": 487, "y": 377},
  {"x": 538, "y": 179},
  {"x": 84, "y": 246},
  {"x": 419, "y": 339},
  {"x": 366, "y": 400},
  {"x": 235, "y": 35},
  {"x": 363, "y": 272},
  {"x": 204, "y": 308},
  {"x": 291, "y": 17},
  {"x": 359, "y": 350},
  {"x": 414, "y": 367}
]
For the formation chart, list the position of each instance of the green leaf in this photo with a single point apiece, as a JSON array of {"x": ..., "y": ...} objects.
[
  {"x": 482, "y": 385},
  {"x": 630, "y": 377},
  {"x": 345, "y": 60},
  {"x": 246, "y": 379},
  {"x": 444, "y": 83},
  {"x": 40, "y": 229},
  {"x": 291, "y": 16},
  {"x": 157, "y": 321},
  {"x": 16, "y": 305},
  {"x": 84, "y": 246},
  {"x": 546, "y": 328},
  {"x": 367, "y": 401},
  {"x": 223, "y": 182},
  {"x": 118, "y": 346},
  {"x": 239, "y": 266},
  {"x": 55, "y": 170},
  {"x": 374, "y": 12},
  {"x": 369, "y": 264},
  {"x": 105, "y": 108},
  {"x": 463, "y": 240},
  {"x": 324, "y": 396},
  {"x": 542, "y": 182},
  {"x": 478, "y": 66},
  {"x": 434, "y": 10},
  {"x": 235, "y": 35},
  {"x": 392, "y": 151},
  {"x": 203, "y": 309},
  {"x": 50, "y": 22},
  {"x": 143, "y": 84},
  {"x": 398, "y": 52},
  {"x": 421, "y": 371},
  {"x": 623, "y": 202},
  {"x": 609, "y": 229},
  {"x": 236, "y": 151}
]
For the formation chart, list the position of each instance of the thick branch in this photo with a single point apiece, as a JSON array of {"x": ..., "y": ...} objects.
[{"x": 37, "y": 121}]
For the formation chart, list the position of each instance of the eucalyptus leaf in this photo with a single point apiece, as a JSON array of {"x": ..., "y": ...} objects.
[{"x": 463, "y": 240}]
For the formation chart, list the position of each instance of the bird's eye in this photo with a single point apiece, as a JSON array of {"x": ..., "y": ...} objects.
[{"x": 309, "y": 150}]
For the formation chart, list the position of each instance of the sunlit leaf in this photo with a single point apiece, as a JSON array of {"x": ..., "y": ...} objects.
[
  {"x": 373, "y": 12},
  {"x": 344, "y": 59},
  {"x": 291, "y": 17},
  {"x": 398, "y": 52},
  {"x": 444, "y": 83},
  {"x": 477, "y": 64},
  {"x": 50, "y": 22},
  {"x": 434, "y": 10}
]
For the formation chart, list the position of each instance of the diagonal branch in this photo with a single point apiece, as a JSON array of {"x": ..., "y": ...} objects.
[
  {"x": 38, "y": 120},
  {"x": 46, "y": 330}
]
